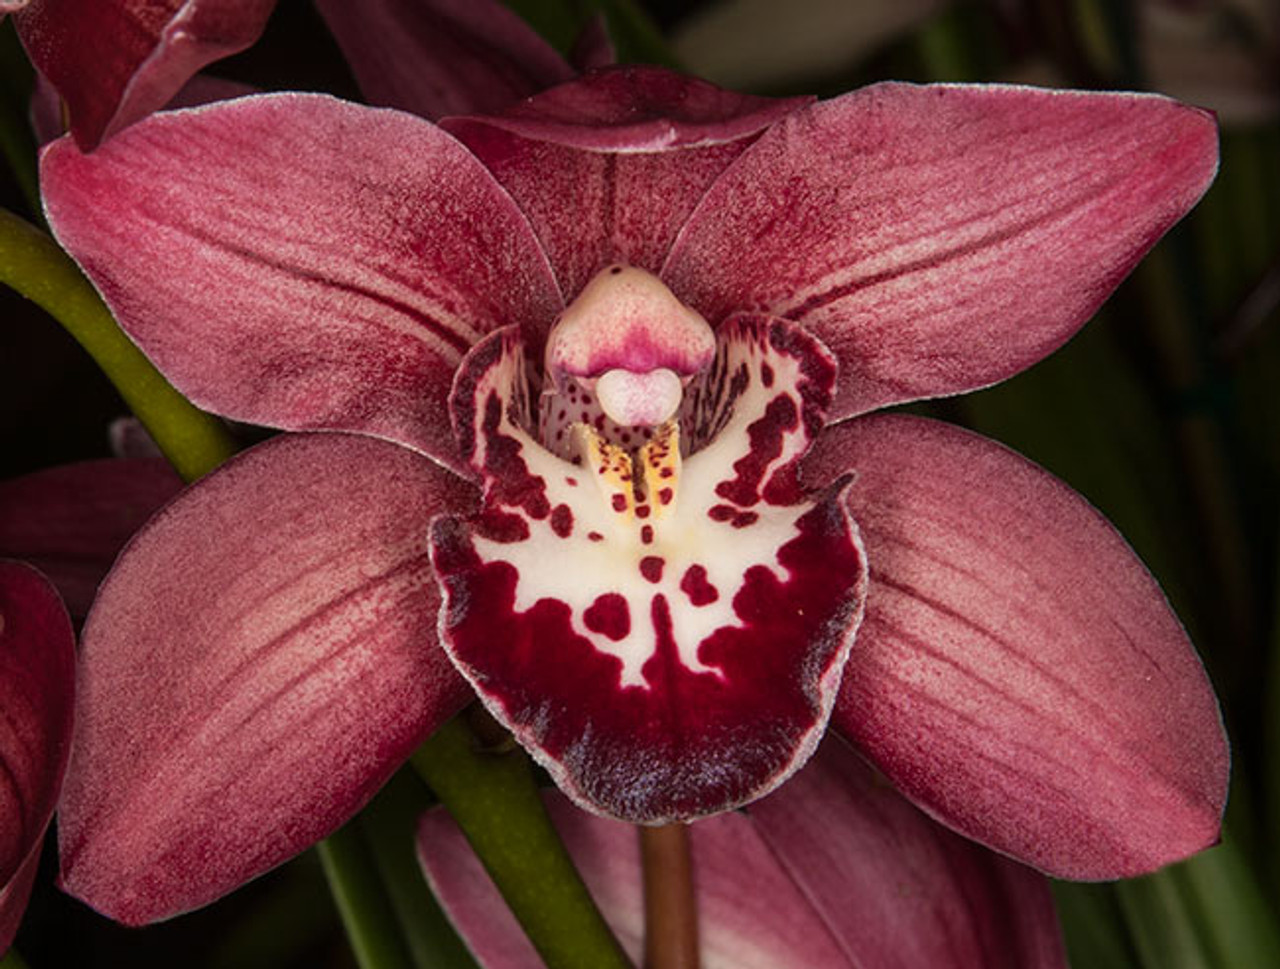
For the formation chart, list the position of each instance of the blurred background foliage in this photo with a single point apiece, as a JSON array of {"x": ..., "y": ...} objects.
[{"x": 1164, "y": 411}]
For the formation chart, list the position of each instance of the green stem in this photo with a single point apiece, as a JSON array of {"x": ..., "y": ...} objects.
[
  {"x": 366, "y": 910},
  {"x": 32, "y": 264},
  {"x": 492, "y": 794},
  {"x": 12, "y": 960}
]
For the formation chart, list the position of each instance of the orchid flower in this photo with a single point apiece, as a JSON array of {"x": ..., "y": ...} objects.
[
  {"x": 834, "y": 870},
  {"x": 598, "y": 376},
  {"x": 114, "y": 62},
  {"x": 37, "y": 686}
]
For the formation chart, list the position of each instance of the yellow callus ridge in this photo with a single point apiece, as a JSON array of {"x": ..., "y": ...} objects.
[
  {"x": 641, "y": 496},
  {"x": 611, "y": 468},
  {"x": 660, "y": 460}
]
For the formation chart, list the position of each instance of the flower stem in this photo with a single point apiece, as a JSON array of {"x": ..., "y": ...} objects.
[
  {"x": 670, "y": 909},
  {"x": 487, "y": 784},
  {"x": 32, "y": 264}
]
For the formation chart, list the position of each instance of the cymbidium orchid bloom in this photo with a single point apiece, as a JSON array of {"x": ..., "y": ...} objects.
[
  {"x": 834, "y": 870},
  {"x": 37, "y": 686},
  {"x": 597, "y": 374}
]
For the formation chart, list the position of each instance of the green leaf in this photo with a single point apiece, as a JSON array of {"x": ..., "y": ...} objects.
[
  {"x": 1231, "y": 916},
  {"x": 557, "y": 21},
  {"x": 491, "y": 793},
  {"x": 390, "y": 825},
  {"x": 12, "y": 960},
  {"x": 1093, "y": 926},
  {"x": 1205, "y": 913},
  {"x": 282, "y": 926},
  {"x": 635, "y": 37},
  {"x": 363, "y": 901},
  {"x": 1161, "y": 923}
]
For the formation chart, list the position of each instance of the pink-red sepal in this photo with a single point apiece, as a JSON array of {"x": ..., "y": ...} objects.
[
  {"x": 259, "y": 661},
  {"x": 941, "y": 238},
  {"x": 1020, "y": 675}
]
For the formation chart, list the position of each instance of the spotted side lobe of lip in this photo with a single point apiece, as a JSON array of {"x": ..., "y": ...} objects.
[{"x": 662, "y": 660}]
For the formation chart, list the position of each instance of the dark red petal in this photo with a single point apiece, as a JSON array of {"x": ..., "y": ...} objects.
[
  {"x": 296, "y": 261},
  {"x": 37, "y": 691},
  {"x": 1019, "y": 674},
  {"x": 72, "y": 521},
  {"x": 439, "y": 57},
  {"x": 114, "y": 62},
  {"x": 260, "y": 660},
  {"x": 942, "y": 238}
]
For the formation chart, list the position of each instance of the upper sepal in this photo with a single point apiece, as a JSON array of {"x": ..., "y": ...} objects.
[{"x": 634, "y": 108}]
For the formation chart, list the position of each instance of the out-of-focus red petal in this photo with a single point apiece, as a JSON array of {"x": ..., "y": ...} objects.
[
  {"x": 897, "y": 890},
  {"x": 260, "y": 660},
  {"x": 37, "y": 690},
  {"x": 751, "y": 914},
  {"x": 942, "y": 238},
  {"x": 114, "y": 62},
  {"x": 72, "y": 521},
  {"x": 37, "y": 694},
  {"x": 1019, "y": 674},
  {"x": 441, "y": 57}
]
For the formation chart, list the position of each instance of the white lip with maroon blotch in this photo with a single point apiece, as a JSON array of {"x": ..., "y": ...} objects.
[{"x": 648, "y": 598}]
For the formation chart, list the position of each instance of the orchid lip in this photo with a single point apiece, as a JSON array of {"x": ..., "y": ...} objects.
[{"x": 665, "y": 609}]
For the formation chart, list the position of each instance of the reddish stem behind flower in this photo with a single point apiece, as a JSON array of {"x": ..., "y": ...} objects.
[{"x": 670, "y": 909}]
